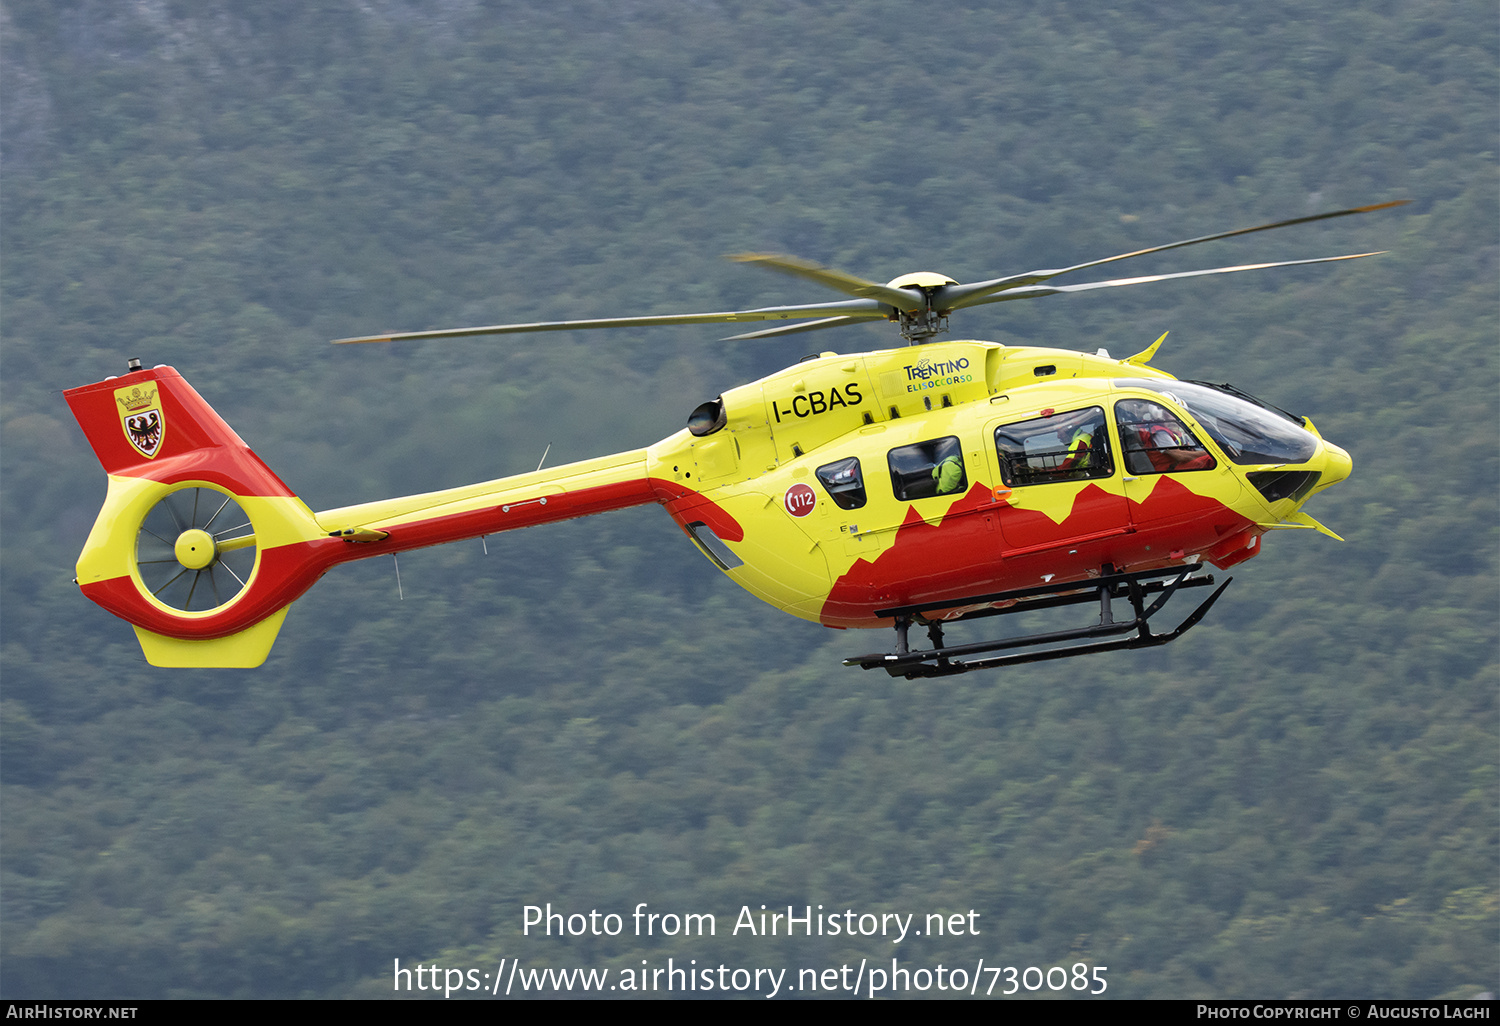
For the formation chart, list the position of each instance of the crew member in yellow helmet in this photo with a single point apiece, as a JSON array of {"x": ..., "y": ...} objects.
[{"x": 949, "y": 475}]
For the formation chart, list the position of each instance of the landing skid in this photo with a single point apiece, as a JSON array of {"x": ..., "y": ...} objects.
[{"x": 942, "y": 660}]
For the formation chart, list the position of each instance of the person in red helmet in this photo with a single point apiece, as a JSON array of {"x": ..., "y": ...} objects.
[{"x": 1156, "y": 442}]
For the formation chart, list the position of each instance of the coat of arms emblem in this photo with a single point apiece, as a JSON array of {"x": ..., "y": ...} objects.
[{"x": 142, "y": 418}]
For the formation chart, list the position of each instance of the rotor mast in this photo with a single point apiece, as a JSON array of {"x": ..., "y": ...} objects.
[{"x": 925, "y": 323}]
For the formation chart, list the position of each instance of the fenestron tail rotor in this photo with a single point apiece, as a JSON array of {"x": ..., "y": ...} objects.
[
  {"x": 196, "y": 549},
  {"x": 919, "y": 303}
]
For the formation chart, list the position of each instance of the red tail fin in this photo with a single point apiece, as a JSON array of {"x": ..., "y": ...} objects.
[{"x": 153, "y": 424}]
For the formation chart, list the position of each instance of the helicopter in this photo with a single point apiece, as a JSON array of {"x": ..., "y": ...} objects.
[{"x": 917, "y": 486}]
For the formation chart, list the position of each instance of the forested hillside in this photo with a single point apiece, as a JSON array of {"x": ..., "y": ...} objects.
[{"x": 1299, "y": 798}]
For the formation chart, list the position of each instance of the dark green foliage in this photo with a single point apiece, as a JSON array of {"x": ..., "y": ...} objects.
[{"x": 1299, "y": 798}]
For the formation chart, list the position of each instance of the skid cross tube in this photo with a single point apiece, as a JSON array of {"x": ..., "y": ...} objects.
[{"x": 943, "y": 660}]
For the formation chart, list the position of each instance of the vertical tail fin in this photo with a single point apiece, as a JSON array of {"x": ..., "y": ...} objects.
[
  {"x": 150, "y": 423},
  {"x": 199, "y": 545}
]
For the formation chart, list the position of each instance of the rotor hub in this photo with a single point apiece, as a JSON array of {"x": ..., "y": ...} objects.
[
  {"x": 195, "y": 549},
  {"x": 924, "y": 280}
]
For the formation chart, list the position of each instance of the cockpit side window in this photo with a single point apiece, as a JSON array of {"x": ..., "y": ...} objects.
[
  {"x": 1156, "y": 441},
  {"x": 844, "y": 482},
  {"x": 1246, "y": 430},
  {"x": 927, "y": 469},
  {"x": 1072, "y": 446}
]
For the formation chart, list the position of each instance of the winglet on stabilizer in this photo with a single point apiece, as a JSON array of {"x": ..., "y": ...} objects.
[
  {"x": 1144, "y": 356},
  {"x": 1300, "y": 520}
]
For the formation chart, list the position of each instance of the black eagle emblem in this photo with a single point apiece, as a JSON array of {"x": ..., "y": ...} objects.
[{"x": 145, "y": 431}]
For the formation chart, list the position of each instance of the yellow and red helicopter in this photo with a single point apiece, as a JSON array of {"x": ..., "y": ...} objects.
[{"x": 921, "y": 485}]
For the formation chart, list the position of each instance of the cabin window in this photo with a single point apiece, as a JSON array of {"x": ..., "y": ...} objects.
[
  {"x": 844, "y": 483},
  {"x": 1246, "y": 429},
  {"x": 1155, "y": 441},
  {"x": 1276, "y": 485},
  {"x": 1072, "y": 446},
  {"x": 927, "y": 469}
]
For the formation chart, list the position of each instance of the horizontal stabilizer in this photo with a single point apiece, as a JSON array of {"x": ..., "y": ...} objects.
[{"x": 245, "y": 650}]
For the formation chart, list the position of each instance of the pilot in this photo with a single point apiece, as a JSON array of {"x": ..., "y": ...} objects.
[
  {"x": 1171, "y": 450},
  {"x": 949, "y": 475}
]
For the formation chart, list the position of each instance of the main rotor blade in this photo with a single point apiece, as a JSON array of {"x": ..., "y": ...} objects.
[
  {"x": 956, "y": 297},
  {"x": 860, "y": 308},
  {"x": 792, "y": 329},
  {"x": 901, "y": 299},
  {"x": 1037, "y": 291},
  {"x": 877, "y": 301}
]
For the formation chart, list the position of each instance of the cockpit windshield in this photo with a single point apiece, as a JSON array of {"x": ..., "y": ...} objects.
[{"x": 1248, "y": 433}]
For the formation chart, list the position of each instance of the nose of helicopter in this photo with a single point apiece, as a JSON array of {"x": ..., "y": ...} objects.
[{"x": 1336, "y": 465}]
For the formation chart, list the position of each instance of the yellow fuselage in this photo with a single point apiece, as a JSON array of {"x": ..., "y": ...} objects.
[{"x": 816, "y": 560}]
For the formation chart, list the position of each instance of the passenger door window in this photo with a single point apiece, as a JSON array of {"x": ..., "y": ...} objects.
[
  {"x": 928, "y": 469},
  {"x": 1072, "y": 446}
]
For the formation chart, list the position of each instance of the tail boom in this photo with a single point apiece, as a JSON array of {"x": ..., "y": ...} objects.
[
  {"x": 157, "y": 437},
  {"x": 525, "y": 500}
]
